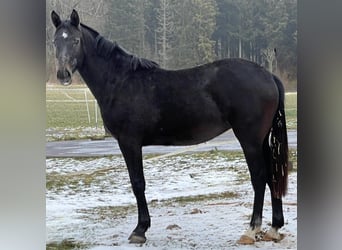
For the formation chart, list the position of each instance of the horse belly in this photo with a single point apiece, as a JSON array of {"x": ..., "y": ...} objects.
[
  {"x": 188, "y": 135},
  {"x": 204, "y": 133}
]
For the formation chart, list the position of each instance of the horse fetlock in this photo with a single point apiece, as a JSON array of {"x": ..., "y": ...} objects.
[
  {"x": 142, "y": 227},
  {"x": 248, "y": 237},
  {"x": 278, "y": 222},
  {"x": 273, "y": 235}
]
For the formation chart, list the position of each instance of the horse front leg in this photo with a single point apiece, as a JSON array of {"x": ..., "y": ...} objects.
[{"x": 132, "y": 152}]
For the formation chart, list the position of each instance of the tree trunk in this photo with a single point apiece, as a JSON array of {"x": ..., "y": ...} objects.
[{"x": 240, "y": 48}]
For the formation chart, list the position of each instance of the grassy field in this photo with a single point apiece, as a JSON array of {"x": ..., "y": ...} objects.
[
  {"x": 66, "y": 107},
  {"x": 291, "y": 110},
  {"x": 68, "y": 115}
]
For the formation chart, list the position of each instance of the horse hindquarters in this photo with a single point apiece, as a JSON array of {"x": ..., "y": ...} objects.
[
  {"x": 275, "y": 152},
  {"x": 266, "y": 160}
]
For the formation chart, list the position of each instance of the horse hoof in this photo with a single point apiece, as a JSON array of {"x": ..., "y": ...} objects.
[
  {"x": 273, "y": 235},
  {"x": 136, "y": 239},
  {"x": 268, "y": 237},
  {"x": 246, "y": 240}
]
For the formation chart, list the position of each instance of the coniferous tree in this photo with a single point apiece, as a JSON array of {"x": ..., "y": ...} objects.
[
  {"x": 165, "y": 31},
  {"x": 184, "y": 33},
  {"x": 204, "y": 23}
]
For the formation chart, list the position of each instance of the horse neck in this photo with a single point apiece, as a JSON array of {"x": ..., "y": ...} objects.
[
  {"x": 98, "y": 73},
  {"x": 93, "y": 73}
]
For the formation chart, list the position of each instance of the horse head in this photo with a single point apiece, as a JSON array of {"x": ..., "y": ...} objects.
[{"x": 68, "y": 45}]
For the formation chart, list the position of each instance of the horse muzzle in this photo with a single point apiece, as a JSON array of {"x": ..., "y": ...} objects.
[
  {"x": 64, "y": 76},
  {"x": 65, "y": 70}
]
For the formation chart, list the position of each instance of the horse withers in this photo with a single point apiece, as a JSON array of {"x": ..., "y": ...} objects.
[{"x": 143, "y": 104}]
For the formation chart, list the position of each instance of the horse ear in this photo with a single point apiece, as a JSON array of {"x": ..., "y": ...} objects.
[
  {"x": 56, "y": 20},
  {"x": 75, "y": 20}
]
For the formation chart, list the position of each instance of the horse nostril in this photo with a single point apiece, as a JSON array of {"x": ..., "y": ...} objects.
[
  {"x": 60, "y": 74},
  {"x": 67, "y": 74},
  {"x": 64, "y": 76}
]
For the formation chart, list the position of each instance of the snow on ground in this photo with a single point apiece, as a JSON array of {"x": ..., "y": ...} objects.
[{"x": 196, "y": 201}]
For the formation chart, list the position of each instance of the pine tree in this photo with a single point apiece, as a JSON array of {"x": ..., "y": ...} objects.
[
  {"x": 165, "y": 31},
  {"x": 125, "y": 23},
  {"x": 184, "y": 33},
  {"x": 204, "y": 23}
]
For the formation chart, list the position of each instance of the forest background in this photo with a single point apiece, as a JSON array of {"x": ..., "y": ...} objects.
[{"x": 184, "y": 33}]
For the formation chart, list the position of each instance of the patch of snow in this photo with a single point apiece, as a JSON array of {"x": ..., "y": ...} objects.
[{"x": 82, "y": 211}]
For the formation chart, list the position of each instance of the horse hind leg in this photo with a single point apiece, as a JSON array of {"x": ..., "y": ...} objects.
[
  {"x": 276, "y": 158},
  {"x": 253, "y": 150},
  {"x": 277, "y": 207}
]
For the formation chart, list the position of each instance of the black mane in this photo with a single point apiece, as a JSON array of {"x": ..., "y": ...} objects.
[{"x": 111, "y": 50}]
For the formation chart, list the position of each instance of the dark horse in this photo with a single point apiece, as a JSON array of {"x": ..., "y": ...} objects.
[{"x": 142, "y": 104}]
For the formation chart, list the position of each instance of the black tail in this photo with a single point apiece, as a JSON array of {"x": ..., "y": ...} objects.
[{"x": 279, "y": 146}]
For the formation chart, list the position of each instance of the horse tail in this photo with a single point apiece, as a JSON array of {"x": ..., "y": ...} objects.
[{"x": 279, "y": 146}]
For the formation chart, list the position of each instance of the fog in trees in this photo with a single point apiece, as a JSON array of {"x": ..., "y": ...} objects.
[{"x": 185, "y": 33}]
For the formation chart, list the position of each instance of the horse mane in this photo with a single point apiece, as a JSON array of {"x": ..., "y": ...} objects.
[{"x": 112, "y": 51}]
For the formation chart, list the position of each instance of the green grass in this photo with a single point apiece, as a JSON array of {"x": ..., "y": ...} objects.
[
  {"x": 291, "y": 110},
  {"x": 68, "y": 244},
  {"x": 66, "y": 107},
  {"x": 71, "y": 117}
]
